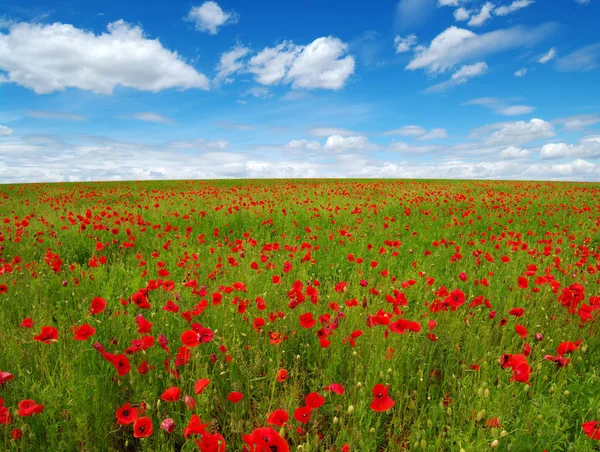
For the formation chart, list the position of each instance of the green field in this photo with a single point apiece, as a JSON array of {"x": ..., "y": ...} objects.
[{"x": 411, "y": 285}]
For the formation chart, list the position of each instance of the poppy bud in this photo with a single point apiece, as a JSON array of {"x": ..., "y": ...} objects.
[
  {"x": 359, "y": 385},
  {"x": 282, "y": 432},
  {"x": 551, "y": 390},
  {"x": 351, "y": 409},
  {"x": 486, "y": 393},
  {"x": 449, "y": 411},
  {"x": 538, "y": 336},
  {"x": 495, "y": 443},
  {"x": 372, "y": 430},
  {"x": 335, "y": 420},
  {"x": 566, "y": 393}
]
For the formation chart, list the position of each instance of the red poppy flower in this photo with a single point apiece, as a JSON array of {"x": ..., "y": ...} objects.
[
  {"x": 307, "y": 320},
  {"x": 5, "y": 377},
  {"x": 314, "y": 400},
  {"x": 336, "y": 388},
  {"x": 126, "y": 414},
  {"x": 172, "y": 394},
  {"x": 265, "y": 439},
  {"x": 194, "y": 427},
  {"x": 381, "y": 400},
  {"x": 121, "y": 363},
  {"x": 278, "y": 417},
  {"x": 26, "y": 323},
  {"x": 302, "y": 414},
  {"x": 200, "y": 385},
  {"x": 211, "y": 442},
  {"x": 235, "y": 396},
  {"x": 521, "y": 331},
  {"x": 48, "y": 334},
  {"x": 282, "y": 375},
  {"x": 98, "y": 305},
  {"x": 83, "y": 332},
  {"x": 591, "y": 429},
  {"x": 564, "y": 348},
  {"x": 517, "y": 312},
  {"x": 4, "y": 414},
  {"x": 29, "y": 407},
  {"x": 142, "y": 427}
]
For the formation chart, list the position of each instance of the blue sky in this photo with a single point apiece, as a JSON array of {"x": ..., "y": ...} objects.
[{"x": 411, "y": 89}]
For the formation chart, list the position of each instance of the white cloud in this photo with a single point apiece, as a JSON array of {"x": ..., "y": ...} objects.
[
  {"x": 483, "y": 16},
  {"x": 548, "y": 56},
  {"x": 513, "y": 152},
  {"x": 303, "y": 145},
  {"x": 319, "y": 65},
  {"x": 149, "y": 116},
  {"x": 401, "y": 146},
  {"x": 514, "y": 6},
  {"x": 44, "y": 114},
  {"x": 461, "y": 14},
  {"x": 583, "y": 2},
  {"x": 449, "y": 2},
  {"x": 578, "y": 122},
  {"x": 405, "y": 44},
  {"x": 322, "y": 132},
  {"x": 338, "y": 143},
  {"x": 588, "y": 147},
  {"x": 520, "y": 132},
  {"x": 521, "y": 72},
  {"x": 434, "y": 134},
  {"x": 515, "y": 110},
  {"x": 460, "y": 77},
  {"x": 5, "y": 131},
  {"x": 230, "y": 63},
  {"x": 456, "y": 45},
  {"x": 260, "y": 92},
  {"x": 48, "y": 58},
  {"x": 584, "y": 59},
  {"x": 209, "y": 17},
  {"x": 407, "y": 131}
]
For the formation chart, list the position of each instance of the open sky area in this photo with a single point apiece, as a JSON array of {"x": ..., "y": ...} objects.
[{"x": 411, "y": 89}]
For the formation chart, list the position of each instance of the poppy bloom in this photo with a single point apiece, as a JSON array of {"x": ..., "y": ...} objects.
[
  {"x": 97, "y": 306},
  {"x": 142, "y": 427},
  {"x": 5, "y": 377},
  {"x": 47, "y": 335},
  {"x": 314, "y": 400},
  {"x": 266, "y": 439},
  {"x": 235, "y": 396},
  {"x": 4, "y": 414},
  {"x": 591, "y": 429},
  {"x": 381, "y": 399},
  {"x": 194, "y": 427},
  {"x": 26, "y": 323},
  {"x": 278, "y": 417},
  {"x": 83, "y": 332},
  {"x": 307, "y": 320},
  {"x": 29, "y": 407},
  {"x": 336, "y": 388},
  {"x": 302, "y": 414},
  {"x": 200, "y": 385},
  {"x": 211, "y": 442},
  {"x": 282, "y": 375},
  {"x": 565, "y": 348},
  {"x": 172, "y": 394},
  {"x": 126, "y": 414},
  {"x": 521, "y": 331},
  {"x": 121, "y": 363}
]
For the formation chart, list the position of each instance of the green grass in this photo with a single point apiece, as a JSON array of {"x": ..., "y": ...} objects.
[{"x": 81, "y": 391}]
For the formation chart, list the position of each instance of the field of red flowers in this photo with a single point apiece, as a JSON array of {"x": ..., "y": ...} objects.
[{"x": 300, "y": 315}]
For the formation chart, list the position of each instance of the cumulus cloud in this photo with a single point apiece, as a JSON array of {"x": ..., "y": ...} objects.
[
  {"x": 477, "y": 20},
  {"x": 123, "y": 56},
  {"x": 209, "y": 17},
  {"x": 405, "y": 44},
  {"x": 418, "y": 132},
  {"x": 551, "y": 54},
  {"x": 230, "y": 63},
  {"x": 584, "y": 59},
  {"x": 5, "y": 131},
  {"x": 460, "y": 77},
  {"x": 461, "y": 14},
  {"x": 457, "y": 45},
  {"x": 513, "y": 152},
  {"x": 338, "y": 143},
  {"x": 521, "y": 132},
  {"x": 321, "y": 64},
  {"x": 514, "y": 6},
  {"x": 588, "y": 147},
  {"x": 401, "y": 146},
  {"x": 303, "y": 145}
]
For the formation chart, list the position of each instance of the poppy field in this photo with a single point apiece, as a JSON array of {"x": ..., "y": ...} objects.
[{"x": 316, "y": 315}]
